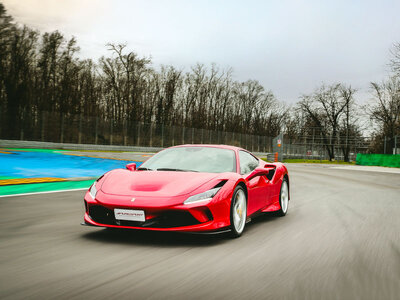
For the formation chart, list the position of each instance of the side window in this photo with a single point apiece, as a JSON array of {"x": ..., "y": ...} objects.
[{"x": 247, "y": 162}]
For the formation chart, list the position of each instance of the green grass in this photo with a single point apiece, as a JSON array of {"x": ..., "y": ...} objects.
[
  {"x": 316, "y": 161},
  {"x": 43, "y": 187}
]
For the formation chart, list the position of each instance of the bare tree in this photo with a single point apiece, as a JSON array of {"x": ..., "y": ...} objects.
[
  {"x": 17, "y": 76},
  {"x": 385, "y": 108},
  {"x": 124, "y": 75},
  {"x": 326, "y": 107},
  {"x": 348, "y": 128},
  {"x": 395, "y": 60}
]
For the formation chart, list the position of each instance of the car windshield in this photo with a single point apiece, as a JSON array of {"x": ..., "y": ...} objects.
[{"x": 192, "y": 159}]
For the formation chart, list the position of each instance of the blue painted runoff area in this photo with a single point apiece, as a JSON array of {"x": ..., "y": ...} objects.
[{"x": 27, "y": 164}]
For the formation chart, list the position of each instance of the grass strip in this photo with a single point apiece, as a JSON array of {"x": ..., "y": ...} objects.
[
  {"x": 316, "y": 161},
  {"x": 43, "y": 187}
]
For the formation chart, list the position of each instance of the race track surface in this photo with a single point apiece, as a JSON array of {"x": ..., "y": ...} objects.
[{"x": 340, "y": 240}]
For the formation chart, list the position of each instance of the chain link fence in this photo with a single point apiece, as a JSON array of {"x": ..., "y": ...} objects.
[
  {"x": 315, "y": 147},
  {"x": 391, "y": 145},
  {"x": 81, "y": 130},
  {"x": 317, "y": 151},
  {"x": 78, "y": 129}
]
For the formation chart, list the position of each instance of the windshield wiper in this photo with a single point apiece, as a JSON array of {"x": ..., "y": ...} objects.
[
  {"x": 177, "y": 170},
  {"x": 144, "y": 169}
]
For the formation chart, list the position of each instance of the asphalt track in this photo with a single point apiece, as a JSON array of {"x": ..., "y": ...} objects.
[{"x": 340, "y": 240}]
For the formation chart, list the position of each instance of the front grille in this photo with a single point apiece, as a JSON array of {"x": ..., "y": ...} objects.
[
  {"x": 172, "y": 219},
  {"x": 102, "y": 215},
  {"x": 167, "y": 219}
]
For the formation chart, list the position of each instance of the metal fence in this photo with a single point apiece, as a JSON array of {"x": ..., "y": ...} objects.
[
  {"x": 81, "y": 130},
  {"x": 77, "y": 129},
  {"x": 318, "y": 151},
  {"x": 391, "y": 145},
  {"x": 314, "y": 146}
]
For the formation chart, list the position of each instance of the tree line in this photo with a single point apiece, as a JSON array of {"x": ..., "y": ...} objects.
[{"x": 43, "y": 72}]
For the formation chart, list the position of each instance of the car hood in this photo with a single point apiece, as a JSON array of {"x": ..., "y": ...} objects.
[{"x": 153, "y": 183}]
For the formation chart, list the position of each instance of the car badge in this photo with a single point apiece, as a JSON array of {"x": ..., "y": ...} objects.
[{"x": 133, "y": 199}]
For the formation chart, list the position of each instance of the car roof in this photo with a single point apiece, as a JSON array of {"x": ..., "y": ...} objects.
[{"x": 211, "y": 146}]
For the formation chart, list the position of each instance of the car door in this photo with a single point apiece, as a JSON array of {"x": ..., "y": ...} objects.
[{"x": 257, "y": 186}]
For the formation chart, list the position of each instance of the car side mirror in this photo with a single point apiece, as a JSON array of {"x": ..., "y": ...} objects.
[
  {"x": 260, "y": 172},
  {"x": 131, "y": 167}
]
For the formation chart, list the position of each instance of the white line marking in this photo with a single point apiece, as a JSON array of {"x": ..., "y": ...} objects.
[
  {"x": 48, "y": 192},
  {"x": 369, "y": 169}
]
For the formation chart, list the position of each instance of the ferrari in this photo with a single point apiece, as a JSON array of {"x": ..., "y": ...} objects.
[{"x": 189, "y": 188}]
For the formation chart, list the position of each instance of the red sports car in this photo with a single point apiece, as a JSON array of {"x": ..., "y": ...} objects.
[{"x": 191, "y": 188}]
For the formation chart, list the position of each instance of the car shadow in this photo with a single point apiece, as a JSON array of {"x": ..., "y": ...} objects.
[
  {"x": 170, "y": 239},
  {"x": 155, "y": 238},
  {"x": 266, "y": 217},
  {"x": 261, "y": 220}
]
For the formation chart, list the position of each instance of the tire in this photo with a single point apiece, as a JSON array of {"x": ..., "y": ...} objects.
[
  {"x": 284, "y": 198},
  {"x": 238, "y": 212}
]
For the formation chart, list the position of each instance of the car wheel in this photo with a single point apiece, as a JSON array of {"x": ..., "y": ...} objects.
[
  {"x": 238, "y": 213},
  {"x": 284, "y": 198}
]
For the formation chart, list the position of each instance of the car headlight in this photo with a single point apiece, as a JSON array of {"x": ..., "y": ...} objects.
[
  {"x": 202, "y": 196},
  {"x": 93, "y": 190}
]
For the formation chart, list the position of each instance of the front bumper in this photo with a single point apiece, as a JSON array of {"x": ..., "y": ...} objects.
[
  {"x": 210, "y": 226},
  {"x": 197, "y": 217}
]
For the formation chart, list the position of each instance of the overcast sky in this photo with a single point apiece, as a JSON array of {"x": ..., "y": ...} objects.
[{"x": 291, "y": 47}]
